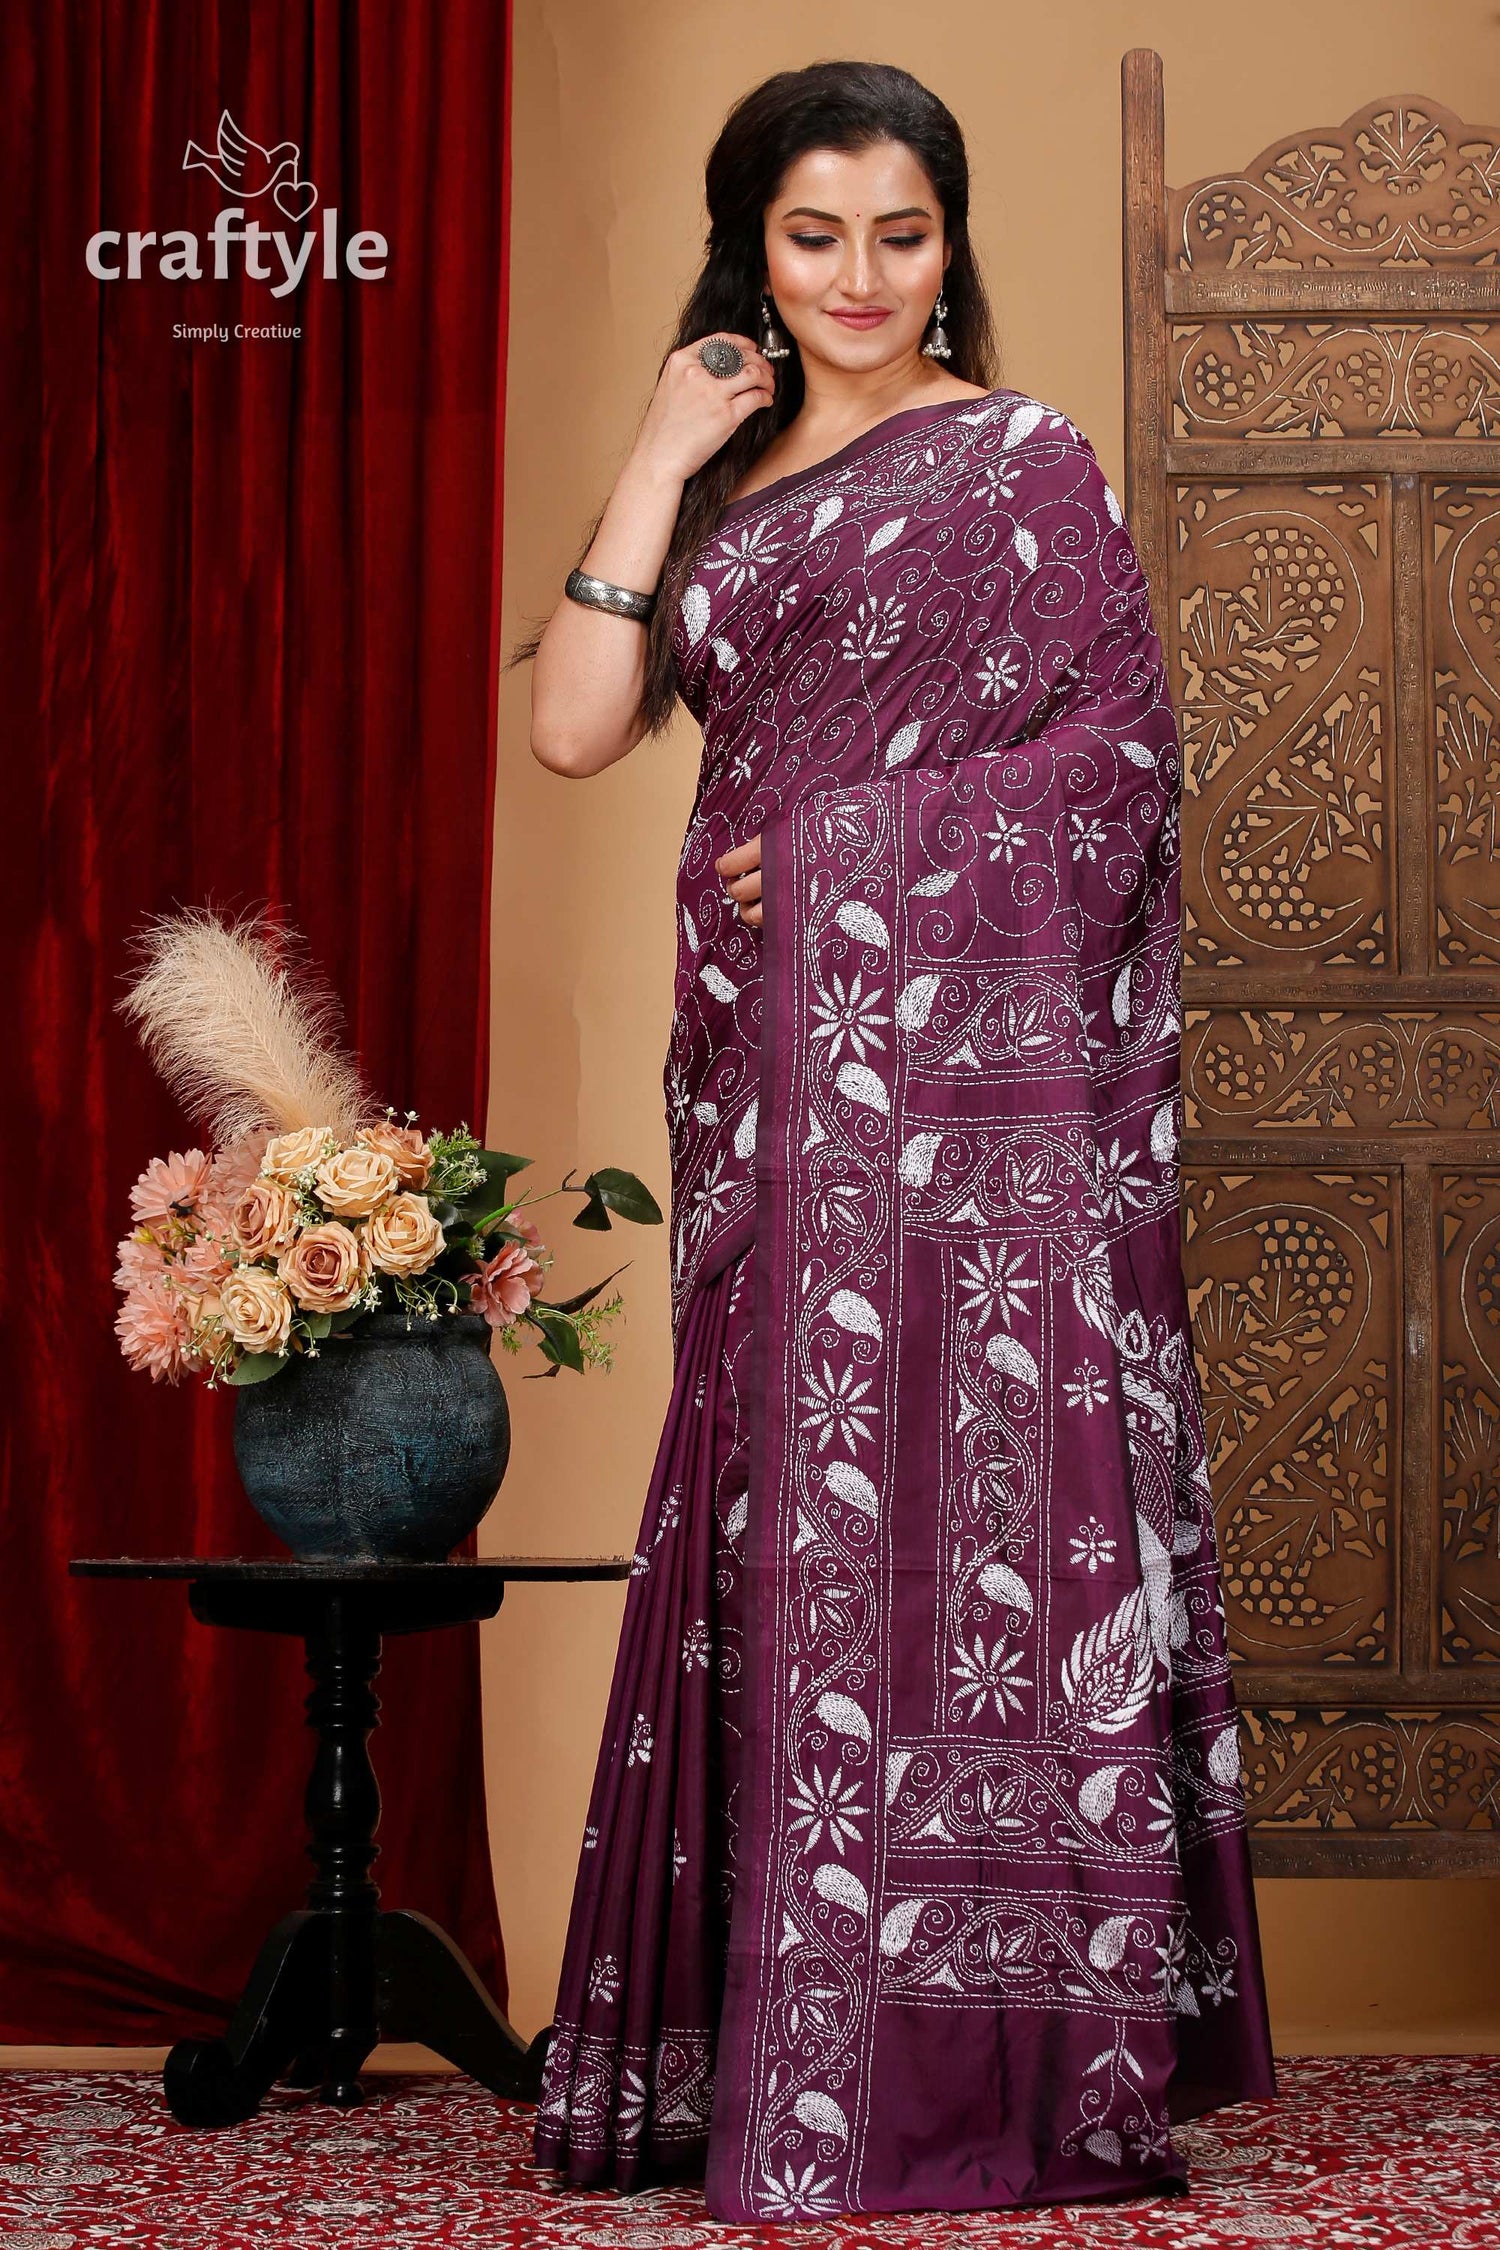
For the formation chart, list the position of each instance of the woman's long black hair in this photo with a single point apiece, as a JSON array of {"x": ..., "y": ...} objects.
[{"x": 841, "y": 105}]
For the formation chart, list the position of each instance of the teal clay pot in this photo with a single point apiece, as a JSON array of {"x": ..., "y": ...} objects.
[{"x": 388, "y": 1447}]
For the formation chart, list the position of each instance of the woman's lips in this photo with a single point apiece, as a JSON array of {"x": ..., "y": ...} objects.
[{"x": 870, "y": 319}]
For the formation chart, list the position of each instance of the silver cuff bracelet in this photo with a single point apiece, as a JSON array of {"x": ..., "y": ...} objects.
[{"x": 598, "y": 593}]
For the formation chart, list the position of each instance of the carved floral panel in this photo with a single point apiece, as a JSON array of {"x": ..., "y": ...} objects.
[
  {"x": 1268, "y": 378},
  {"x": 1466, "y": 1214},
  {"x": 1341, "y": 1070},
  {"x": 1462, "y": 524},
  {"x": 1372, "y": 1771}
]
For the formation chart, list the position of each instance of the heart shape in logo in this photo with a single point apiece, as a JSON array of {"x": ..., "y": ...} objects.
[{"x": 296, "y": 198}]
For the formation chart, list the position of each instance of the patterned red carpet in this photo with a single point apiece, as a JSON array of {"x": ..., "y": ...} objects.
[{"x": 1358, "y": 2153}]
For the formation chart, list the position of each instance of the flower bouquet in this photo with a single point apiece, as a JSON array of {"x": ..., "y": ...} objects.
[{"x": 318, "y": 1225}]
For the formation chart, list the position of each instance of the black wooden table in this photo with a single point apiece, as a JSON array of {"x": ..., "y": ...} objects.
[{"x": 336, "y": 1977}]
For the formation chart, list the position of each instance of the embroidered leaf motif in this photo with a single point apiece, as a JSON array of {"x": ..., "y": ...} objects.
[
  {"x": 855, "y": 1312},
  {"x": 935, "y": 885},
  {"x": 717, "y": 983},
  {"x": 1001, "y": 1584},
  {"x": 695, "y": 609},
  {"x": 896, "y": 1764},
  {"x": 862, "y": 922},
  {"x": 897, "y": 1929},
  {"x": 1106, "y": 2146},
  {"x": 744, "y": 1132},
  {"x": 726, "y": 653},
  {"x": 820, "y": 2113},
  {"x": 1139, "y": 754},
  {"x": 860, "y": 1084},
  {"x": 1023, "y": 422},
  {"x": 1107, "y": 1945},
  {"x": 1010, "y": 1357},
  {"x": 690, "y": 930},
  {"x": 843, "y": 1716},
  {"x": 827, "y": 512},
  {"x": 851, "y": 1485},
  {"x": 1223, "y": 1759},
  {"x": 841, "y": 1888},
  {"x": 917, "y": 1158},
  {"x": 1164, "y": 1133},
  {"x": 886, "y": 533},
  {"x": 1119, "y": 999},
  {"x": 1108, "y": 1672},
  {"x": 1026, "y": 547},
  {"x": 902, "y": 743},
  {"x": 914, "y": 1003},
  {"x": 1096, "y": 1798}
]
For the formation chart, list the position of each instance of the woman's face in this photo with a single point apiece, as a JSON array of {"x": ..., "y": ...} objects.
[{"x": 855, "y": 254}]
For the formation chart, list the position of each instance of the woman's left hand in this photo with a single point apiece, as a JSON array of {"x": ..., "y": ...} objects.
[{"x": 740, "y": 870}]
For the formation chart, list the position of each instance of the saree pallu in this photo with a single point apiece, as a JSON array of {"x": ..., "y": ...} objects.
[{"x": 917, "y": 1872}]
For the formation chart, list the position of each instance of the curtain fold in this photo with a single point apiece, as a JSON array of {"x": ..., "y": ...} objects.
[{"x": 248, "y": 651}]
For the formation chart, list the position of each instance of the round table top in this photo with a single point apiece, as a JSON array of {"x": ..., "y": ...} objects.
[{"x": 273, "y": 1569}]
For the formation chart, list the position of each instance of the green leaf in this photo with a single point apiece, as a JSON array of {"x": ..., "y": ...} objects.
[
  {"x": 339, "y": 1321},
  {"x": 584, "y": 1297},
  {"x": 610, "y": 1189},
  {"x": 317, "y": 1324},
  {"x": 559, "y": 1337},
  {"x": 256, "y": 1367}
]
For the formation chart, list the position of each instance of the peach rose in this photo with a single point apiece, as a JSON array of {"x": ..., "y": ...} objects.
[
  {"x": 257, "y": 1309},
  {"x": 265, "y": 1219},
  {"x": 404, "y": 1237},
  {"x": 405, "y": 1147},
  {"x": 326, "y": 1268},
  {"x": 290, "y": 1153},
  {"x": 356, "y": 1181}
]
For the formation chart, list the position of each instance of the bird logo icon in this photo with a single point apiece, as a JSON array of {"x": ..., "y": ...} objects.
[{"x": 244, "y": 169}]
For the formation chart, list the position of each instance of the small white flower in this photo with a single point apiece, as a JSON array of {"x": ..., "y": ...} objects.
[
  {"x": 999, "y": 674},
  {"x": 695, "y": 1645},
  {"x": 989, "y": 1676},
  {"x": 1088, "y": 835},
  {"x": 1007, "y": 836},
  {"x": 873, "y": 630},
  {"x": 786, "y": 599},
  {"x": 739, "y": 561},
  {"x": 709, "y": 1198},
  {"x": 641, "y": 1741},
  {"x": 834, "y": 1407},
  {"x": 994, "y": 1282},
  {"x": 797, "y": 2194},
  {"x": 1090, "y": 1544},
  {"x": 1121, "y": 1187},
  {"x": 829, "y": 1805},
  {"x": 1087, "y": 1388},
  {"x": 848, "y": 1013}
]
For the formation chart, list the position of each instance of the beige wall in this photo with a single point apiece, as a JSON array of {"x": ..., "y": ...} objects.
[{"x": 616, "y": 102}]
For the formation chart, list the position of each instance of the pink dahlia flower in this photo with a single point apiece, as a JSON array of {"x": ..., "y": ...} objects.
[
  {"x": 140, "y": 1261},
  {"x": 504, "y": 1285},
  {"x": 171, "y": 1187},
  {"x": 236, "y": 1166},
  {"x": 154, "y": 1331}
]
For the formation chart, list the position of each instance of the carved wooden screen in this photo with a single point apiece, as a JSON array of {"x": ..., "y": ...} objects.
[{"x": 1313, "y": 377}]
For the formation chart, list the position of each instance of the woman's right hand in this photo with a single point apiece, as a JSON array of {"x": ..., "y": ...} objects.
[{"x": 693, "y": 413}]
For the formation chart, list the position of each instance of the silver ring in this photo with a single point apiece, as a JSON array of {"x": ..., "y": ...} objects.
[{"x": 720, "y": 357}]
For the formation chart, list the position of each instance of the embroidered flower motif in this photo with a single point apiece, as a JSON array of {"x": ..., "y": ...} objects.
[
  {"x": 999, "y": 674},
  {"x": 1007, "y": 836},
  {"x": 591, "y": 1836},
  {"x": 1087, "y": 1388},
  {"x": 679, "y": 1856},
  {"x": 873, "y": 630},
  {"x": 711, "y": 1196},
  {"x": 632, "y": 2106},
  {"x": 1216, "y": 1984},
  {"x": 797, "y": 2194},
  {"x": 848, "y": 1013},
  {"x": 993, "y": 1283},
  {"x": 695, "y": 1645},
  {"x": 1121, "y": 1187},
  {"x": 1088, "y": 835},
  {"x": 994, "y": 484},
  {"x": 1172, "y": 1975},
  {"x": 834, "y": 1407},
  {"x": 826, "y": 1806},
  {"x": 739, "y": 561},
  {"x": 671, "y": 1512},
  {"x": 641, "y": 1742},
  {"x": 1090, "y": 1544},
  {"x": 991, "y": 1677},
  {"x": 604, "y": 1977},
  {"x": 786, "y": 599}
]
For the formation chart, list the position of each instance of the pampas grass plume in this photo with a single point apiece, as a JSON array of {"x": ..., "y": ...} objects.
[{"x": 243, "y": 1036}]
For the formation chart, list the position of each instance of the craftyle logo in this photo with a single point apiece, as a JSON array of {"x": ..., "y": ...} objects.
[{"x": 246, "y": 170}]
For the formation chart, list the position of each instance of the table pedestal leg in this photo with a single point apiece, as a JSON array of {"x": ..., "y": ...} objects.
[{"x": 334, "y": 1978}]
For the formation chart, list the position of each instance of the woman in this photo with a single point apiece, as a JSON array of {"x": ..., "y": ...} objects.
[{"x": 915, "y": 1873}]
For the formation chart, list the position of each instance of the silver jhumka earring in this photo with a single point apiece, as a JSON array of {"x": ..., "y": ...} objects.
[
  {"x": 937, "y": 346},
  {"x": 773, "y": 344}
]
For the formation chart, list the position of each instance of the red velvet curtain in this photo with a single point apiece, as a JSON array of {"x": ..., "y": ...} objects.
[{"x": 248, "y": 645}]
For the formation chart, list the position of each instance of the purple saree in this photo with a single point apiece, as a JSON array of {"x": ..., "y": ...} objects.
[{"x": 916, "y": 1873}]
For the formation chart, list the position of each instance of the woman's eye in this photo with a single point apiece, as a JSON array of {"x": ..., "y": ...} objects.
[
  {"x": 904, "y": 241},
  {"x": 811, "y": 241}
]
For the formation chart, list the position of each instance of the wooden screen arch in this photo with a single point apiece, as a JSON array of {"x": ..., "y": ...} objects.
[{"x": 1313, "y": 397}]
